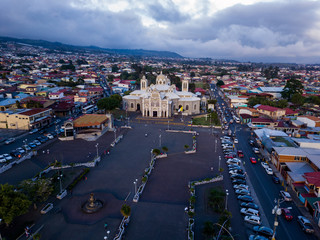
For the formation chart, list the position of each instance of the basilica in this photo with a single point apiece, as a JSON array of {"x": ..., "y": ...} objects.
[{"x": 162, "y": 100}]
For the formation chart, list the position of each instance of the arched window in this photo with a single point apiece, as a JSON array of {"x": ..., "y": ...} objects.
[
  {"x": 187, "y": 107},
  {"x": 131, "y": 105}
]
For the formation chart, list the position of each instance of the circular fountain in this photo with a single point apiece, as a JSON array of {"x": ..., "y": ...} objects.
[{"x": 92, "y": 205}]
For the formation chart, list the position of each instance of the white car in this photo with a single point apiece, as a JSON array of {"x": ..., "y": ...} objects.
[
  {"x": 2, "y": 160},
  {"x": 232, "y": 161},
  {"x": 286, "y": 196},
  {"x": 7, "y": 156},
  {"x": 256, "y": 150},
  {"x": 269, "y": 171},
  {"x": 249, "y": 212},
  {"x": 264, "y": 165},
  {"x": 49, "y": 136},
  {"x": 241, "y": 186},
  {"x": 253, "y": 220},
  {"x": 236, "y": 140},
  {"x": 10, "y": 140}
]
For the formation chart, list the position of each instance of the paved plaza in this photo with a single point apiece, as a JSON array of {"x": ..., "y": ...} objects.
[{"x": 159, "y": 214}]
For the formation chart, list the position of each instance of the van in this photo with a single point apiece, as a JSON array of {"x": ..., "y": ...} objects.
[{"x": 249, "y": 212}]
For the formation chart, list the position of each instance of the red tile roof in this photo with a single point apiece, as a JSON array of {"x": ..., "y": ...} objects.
[
  {"x": 289, "y": 111},
  {"x": 268, "y": 108},
  {"x": 313, "y": 178},
  {"x": 34, "y": 111}
]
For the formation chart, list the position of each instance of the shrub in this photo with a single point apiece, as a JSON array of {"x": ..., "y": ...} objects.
[{"x": 78, "y": 179}]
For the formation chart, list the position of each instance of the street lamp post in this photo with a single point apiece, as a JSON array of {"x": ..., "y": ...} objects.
[
  {"x": 97, "y": 146},
  {"x": 226, "y": 205},
  {"x": 135, "y": 186},
  {"x": 60, "y": 176},
  {"x": 160, "y": 140},
  {"x": 276, "y": 211},
  {"x": 115, "y": 134},
  {"x": 219, "y": 162}
]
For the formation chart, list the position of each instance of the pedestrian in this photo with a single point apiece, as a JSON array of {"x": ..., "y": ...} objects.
[
  {"x": 105, "y": 226},
  {"x": 47, "y": 151},
  {"x": 85, "y": 178},
  {"x": 211, "y": 169}
]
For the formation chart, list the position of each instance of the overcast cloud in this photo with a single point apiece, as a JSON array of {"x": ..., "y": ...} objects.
[{"x": 248, "y": 30}]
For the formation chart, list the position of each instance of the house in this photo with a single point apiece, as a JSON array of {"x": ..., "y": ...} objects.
[
  {"x": 56, "y": 95},
  {"x": 238, "y": 101},
  {"x": 25, "y": 119},
  {"x": 310, "y": 121},
  {"x": 274, "y": 91},
  {"x": 272, "y": 112}
]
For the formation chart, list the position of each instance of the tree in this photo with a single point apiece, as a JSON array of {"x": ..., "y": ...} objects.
[
  {"x": 37, "y": 191},
  {"x": 292, "y": 86},
  {"x": 164, "y": 149},
  {"x": 156, "y": 151},
  {"x": 208, "y": 229},
  {"x": 220, "y": 83},
  {"x": 12, "y": 203},
  {"x": 110, "y": 103},
  {"x": 298, "y": 99},
  {"x": 18, "y": 105},
  {"x": 192, "y": 87},
  {"x": 186, "y": 147},
  {"x": 216, "y": 199},
  {"x": 125, "y": 210}
]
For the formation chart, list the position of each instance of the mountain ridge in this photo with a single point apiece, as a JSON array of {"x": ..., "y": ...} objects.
[{"x": 67, "y": 47}]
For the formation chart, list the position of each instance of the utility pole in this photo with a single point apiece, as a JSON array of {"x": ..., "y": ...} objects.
[{"x": 276, "y": 211}]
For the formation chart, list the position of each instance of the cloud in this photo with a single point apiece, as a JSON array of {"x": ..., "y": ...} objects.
[{"x": 273, "y": 30}]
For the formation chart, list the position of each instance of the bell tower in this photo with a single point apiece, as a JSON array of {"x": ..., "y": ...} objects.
[
  {"x": 185, "y": 85},
  {"x": 143, "y": 83}
]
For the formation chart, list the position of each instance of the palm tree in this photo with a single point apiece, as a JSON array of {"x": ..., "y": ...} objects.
[
  {"x": 186, "y": 147},
  {"x": 125, "y": 210}
]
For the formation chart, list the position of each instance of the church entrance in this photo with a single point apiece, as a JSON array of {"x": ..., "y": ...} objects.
[
  {"x": 155, "y": 114},
  {"x": 138, "y": 107}
]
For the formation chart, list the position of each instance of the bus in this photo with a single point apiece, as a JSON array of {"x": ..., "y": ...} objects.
[{"x": 88, "y": 109}]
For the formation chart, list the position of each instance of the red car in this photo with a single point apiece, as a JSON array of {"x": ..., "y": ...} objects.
[
  {"x": 253, "y": 160},
  {"x": 287, "y": 214},
  {"x": 240, "y": 153},
  {"x": 228, "y": 156}
]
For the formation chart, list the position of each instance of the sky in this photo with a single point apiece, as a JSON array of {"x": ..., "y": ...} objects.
[{"x": 246, "y": 30}]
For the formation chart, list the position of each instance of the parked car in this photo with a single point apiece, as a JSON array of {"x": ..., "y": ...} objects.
[
  {"x": 253, "y": 220},
  {"x": 34, "y": 131},
  {"x": 236, "y": 171},
  {"x": 233, "y": 166},
  {"x": 243, "y": 192},
  {"x": 9, "y": 141},
  {"x": 264, "y": 164},
  {"x": 32, "y": 145},
  {"x": 241, "y": 186},
  {"x": 264, "y": 231},
  {"x": 238, "y": 181},
  {"x": 251, "y": 142},
  {"x": 2, "y": 160},
  {"x": 253, "y": 160},
  {"x": 257, "y": 237},
  {"x": 236, "y": 140},
  {"x": 249, "y": 212},
  {"x": 287, "y": 214},
  {"x": 233, "y": 161},
  {"x": 275, "y": 179},
  {"x": 50, "y": 136},
  {"x": 238, "y": 176},
  {"x": 269, "y": 171},
  {"x": 240, "y": 153},
  {"x": 6, "y": 156},
  {"x": 229, "y": 156},
  {"x": 245, "y": 198},
  {"x": 286, "y": 196},
  {"x": 255, "y": 150},
  {"x": 249, "y": 205},
  {"x": 15, "y": 154},
  {"x": 305, "y": 224},
  {"x": 21, "y": 150}
]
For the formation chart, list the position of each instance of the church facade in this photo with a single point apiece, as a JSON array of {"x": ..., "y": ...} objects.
[{"x": 162, "y": 100}]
